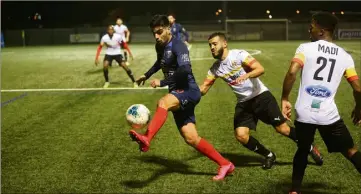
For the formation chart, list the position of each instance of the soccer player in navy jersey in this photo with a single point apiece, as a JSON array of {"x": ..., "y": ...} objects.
[
  {"x": 184, "y": 95},
  {"x": 178, "y": 31}
]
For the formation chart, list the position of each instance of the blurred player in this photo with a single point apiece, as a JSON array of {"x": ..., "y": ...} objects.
[
  {"x": 177, "y": 31},
  {"x": 322, "y": 64},
  {"x": 184, "y": 95},
  {"x": 255, "y": 102},
  {"x": 124, "y": 32},
  {"x": 112, "y": 41}
]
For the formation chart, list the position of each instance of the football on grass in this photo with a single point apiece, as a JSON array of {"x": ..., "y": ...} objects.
[{"x": 138, "y": 116}]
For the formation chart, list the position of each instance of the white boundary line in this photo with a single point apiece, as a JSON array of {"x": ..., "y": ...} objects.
[
  {"x": 80, "y": 89},
  {"x": 251, "y": 52},
  {"x": 7, "y": 52}
]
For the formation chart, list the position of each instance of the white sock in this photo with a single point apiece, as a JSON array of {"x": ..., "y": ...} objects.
[{"x": 270, "y": 154}]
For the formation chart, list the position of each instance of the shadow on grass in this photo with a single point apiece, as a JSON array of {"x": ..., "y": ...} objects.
[
  {"x": 176, "y": 166},
  {"x": 249, "y": 161},
  {"x": 98, "y": 71},
  {"x": 307, "y": 188},
  {"x": 169, "y": 166}
]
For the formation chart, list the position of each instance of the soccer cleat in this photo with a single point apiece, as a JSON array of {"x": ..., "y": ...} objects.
[
  {"x": 269, "y": 161},
  {"x": 316, "y": 155},
  {"x": 106, "y": 85},
  {"x": 223, "y": 171},
  {"x": 141, "y": 140}
]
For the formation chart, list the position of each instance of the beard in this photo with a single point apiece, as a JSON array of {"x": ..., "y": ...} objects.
[{"x": 219, "y": 54}]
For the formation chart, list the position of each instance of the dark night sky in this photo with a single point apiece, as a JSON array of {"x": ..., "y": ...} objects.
[{"x": 68, "y": 14}]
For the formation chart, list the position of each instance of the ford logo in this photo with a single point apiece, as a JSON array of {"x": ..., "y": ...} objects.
[{"x": 318, "y": 91}]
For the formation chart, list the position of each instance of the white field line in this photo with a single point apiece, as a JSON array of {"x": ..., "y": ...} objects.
[
  {"x": 80, "y": 89},
  {"x": 252, "y": 52}
]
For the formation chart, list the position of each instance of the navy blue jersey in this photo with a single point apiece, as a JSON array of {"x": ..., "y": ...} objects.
[
  {"x": 175, "y": 63},
  {"x": 177, "y": 31}
]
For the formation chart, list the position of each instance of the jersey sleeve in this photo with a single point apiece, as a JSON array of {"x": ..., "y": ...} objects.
[
  {"x": 299, "y": 56},
  {"x": 102, "y": 40},
  {"x": 350, "y": 72},
  {"x": 181, "y": 52},
  {"x": 245, "y": 58},
  {"x": 211, "y": 77}
]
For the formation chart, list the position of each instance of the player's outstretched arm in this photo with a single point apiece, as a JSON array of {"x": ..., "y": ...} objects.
[
  {"x": 288, "y": 82},
  {"x": 154, "y": 69},
  {"x": 98, "y": 52},
  {"x": 127, "y": 32},
  {"x": 356, "y": 113},
  {"x": 185, "y": 33},
  {"x": 207, "y": 83},
  {"x": 352, "y": 78},
  {"x": 205, "y": 86}
]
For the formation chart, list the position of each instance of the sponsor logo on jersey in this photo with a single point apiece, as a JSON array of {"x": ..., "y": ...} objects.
[
  {"x": 235, "y": 76},
  {"x": 168, "y": 54},
  {"x": 185, "y": 57},
  {"x": 316, "y": 104},
  {"x": 318, "y": 91},
  {"x": 234, "y": 64}
]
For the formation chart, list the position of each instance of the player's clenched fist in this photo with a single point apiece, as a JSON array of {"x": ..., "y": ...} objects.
[{"x": 155, "y": 83}]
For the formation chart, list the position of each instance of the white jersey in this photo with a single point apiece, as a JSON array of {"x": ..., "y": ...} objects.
[
  {"x": 121, "y": 30},
  {"x": 324, "y": 64},
  {"x": 112, "y": 44},
  {"x": 231, "y": 68}
]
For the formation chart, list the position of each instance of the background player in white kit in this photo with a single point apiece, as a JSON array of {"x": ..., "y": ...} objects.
[
  {"x": 241, "y": 71},
  {"x": 323, "y": 64},
  {"x": 112, "y": 41},
  {"x": 124, "y": 32}
]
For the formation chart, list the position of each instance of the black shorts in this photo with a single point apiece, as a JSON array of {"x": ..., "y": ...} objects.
[
  {"x": 117, "y": 58},
  {"x": 336, "y": 136},
  {"x": 263, "y": 107}
]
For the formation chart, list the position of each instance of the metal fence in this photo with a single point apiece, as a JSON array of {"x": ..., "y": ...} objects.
[{"x": 141, "y": 34}]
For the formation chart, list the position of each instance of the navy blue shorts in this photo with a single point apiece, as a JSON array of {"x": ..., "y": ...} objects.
[{"x": 188, "y": 99}]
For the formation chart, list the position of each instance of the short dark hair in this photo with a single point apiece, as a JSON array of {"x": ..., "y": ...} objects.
[
  {"x": 325, "y": 20},
  {"x": 159, "y": 20},
  {"x": 220, "y": 34}
]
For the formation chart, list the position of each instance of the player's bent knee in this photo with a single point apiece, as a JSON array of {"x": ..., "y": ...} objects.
[
  {"x": 349, "y": 153},
  {"x": 169, "y": 102},
  {"x": 242, "y": 134},
  {"x": 192, "y": 140},
  {"x": 190, "y": 134},
  {"x": 283, "y": 129}
]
